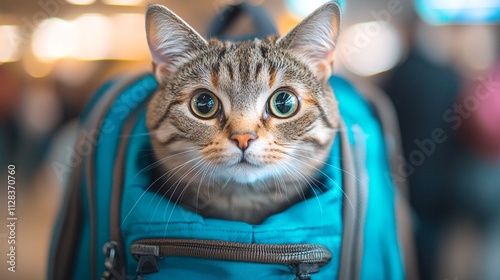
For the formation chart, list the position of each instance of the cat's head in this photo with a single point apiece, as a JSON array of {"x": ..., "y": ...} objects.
[{"x": 255, "y": 113}]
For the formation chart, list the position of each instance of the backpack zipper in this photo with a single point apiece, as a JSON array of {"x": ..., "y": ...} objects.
[{"x": 304, "y": 259}]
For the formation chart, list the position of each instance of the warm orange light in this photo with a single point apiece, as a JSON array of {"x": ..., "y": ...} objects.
[
  {"x": 91, "y": 37},
  {"x": 81, "y": 2},
  {"x": 129, "y": 38},
  {"x": 35, "y": 67},
  {"x": 94, "y": 39},
  {"x": 124, "y": 2},
  {"x": 53, "y": 39},
  {"x": 9, "y": 43}
]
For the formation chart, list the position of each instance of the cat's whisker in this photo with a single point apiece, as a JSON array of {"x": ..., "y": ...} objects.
[
  {"x": 333, "y": 166},
  {"x": 207, "y": 167},
  {"x": 160, "y": 161},
  {"x": 300, "y": 176},
  {"x": 166, "y": 181},
  {"x": 145, "y": 154},
  {"x": 301, "y": 149},
  {"x": 171, "y": 174},
  {"x": 306, "y": 178},
  {"x": 227, "y": 182},
  {"x": 202, "y": 163},
  {"x": 324, "y": 163},
  {"x": 309, "y": 181},
  {"x": 135, "y": 135},
  {"x": 163, "y": 184},
  {"x": 315, "y": 168},
  {"x": 211, "y": 171},
  {"x": 289, "y": 172},
  {"x": 277, "y": 180},
  {"x": 152, "y": 184},
  {"x": 181, "y": 177},
  {"x": 328, "y": 177},
  {"x": 149, "y": 133},
  {"x": 211, "y": 191}
]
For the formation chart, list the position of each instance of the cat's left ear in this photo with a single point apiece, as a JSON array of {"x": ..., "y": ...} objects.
[
  {"x": 171, "y": 41},
  {"x": 315, "y": 38}
]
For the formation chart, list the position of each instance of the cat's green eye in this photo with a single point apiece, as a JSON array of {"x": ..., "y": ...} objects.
[
  {"x": 283, "y": 104},
  {"x": 204, "y": 105}
]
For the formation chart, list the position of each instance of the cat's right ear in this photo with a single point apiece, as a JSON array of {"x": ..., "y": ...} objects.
[
  {"x": 172, "y": 41},
  {"x": 315, "y": 38}
]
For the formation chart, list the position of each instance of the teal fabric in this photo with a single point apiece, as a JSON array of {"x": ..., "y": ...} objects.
[
  {"x": 381, "y": 255},
  {"x": 100, "y": 92},
  {"x": 110, "y": 133},
  {"x": 317, "y": 220},
  {"x": 148, "y": 215},
  {"x": 85, "y": 239}
]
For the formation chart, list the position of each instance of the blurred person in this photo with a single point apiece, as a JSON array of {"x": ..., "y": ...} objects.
[
  {"x": 38, "y": 116},
  {"x": 9, "y": 101},
  {"x": 422, "y": 89},
  {"x": 481, "y": 116},
  {"x": 477, "y": 168}
]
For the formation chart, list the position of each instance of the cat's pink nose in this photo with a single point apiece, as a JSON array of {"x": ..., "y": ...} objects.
[{"x": 243, "y": 140}]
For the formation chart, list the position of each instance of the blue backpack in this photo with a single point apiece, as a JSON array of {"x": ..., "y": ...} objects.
[{"x": 112, "y": 227}]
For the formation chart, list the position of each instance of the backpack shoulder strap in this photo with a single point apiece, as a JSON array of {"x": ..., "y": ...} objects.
[
  {"x": 353, "y": 211},
  {"x": 116, "y": 268},
  {"x": 66, "y": 237},
  {"x": 386, "y": 113}
]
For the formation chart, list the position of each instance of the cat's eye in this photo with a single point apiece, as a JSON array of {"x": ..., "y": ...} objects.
[
  {"x": 283, "y": 104},
  {"x": 205, "y": 105}
]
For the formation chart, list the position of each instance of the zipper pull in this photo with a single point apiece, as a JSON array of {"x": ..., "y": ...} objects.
[
  {"x": 147, "y": 258},
  {"x": 302, "y": 270},
  {"x": 109, "y": 250},
  {"x": 147, "y": 265}
]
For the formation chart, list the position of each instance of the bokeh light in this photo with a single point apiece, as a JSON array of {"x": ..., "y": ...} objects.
[
  {"x": 81, "y": 2},
  {"x": 118, "y": 37},
  {"x": 370, "y": 48},
  {"x": 453, "y": 11},
  {"x": 476, "y": 47},
  {"x": 92, "y": 28},
  {"x": 124, "y": 2},
  {"x": 35, "y": 67},
  {"x": 9, "y": 43},
  {"x": 53, "y": 39},
  {"x": 302, "y": 8},
  {"x": 125, "y": 46}
]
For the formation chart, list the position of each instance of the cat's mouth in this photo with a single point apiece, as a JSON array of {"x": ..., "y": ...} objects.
[
  {"x": 245, "y": 172},
  {"x": 245, "y": 165},
  {"x": 248, "y": 170},
  {"x": 244, "y": 162}
]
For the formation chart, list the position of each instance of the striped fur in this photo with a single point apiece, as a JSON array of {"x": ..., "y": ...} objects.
[{"x": 203, "y": 167}]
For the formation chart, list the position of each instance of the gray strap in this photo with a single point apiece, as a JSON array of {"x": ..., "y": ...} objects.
[
  {"x": 93, "y": 126},
  {"x": 385, "y": 112},
  {"x": 117, "y": 191},
  {"x": 68, "y": 234},
  {"x": 387, "y": 115},
  {"x": 67, "y": 238},
  {"x": 354, "y": 209},
  {"x": 68, "y": 231}
]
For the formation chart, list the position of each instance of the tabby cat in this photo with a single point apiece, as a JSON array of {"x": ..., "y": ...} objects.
[{"x": 241, "y": 129}]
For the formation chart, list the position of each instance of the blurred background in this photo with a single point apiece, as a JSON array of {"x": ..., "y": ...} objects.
[{"x": 438, "y": 61}]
